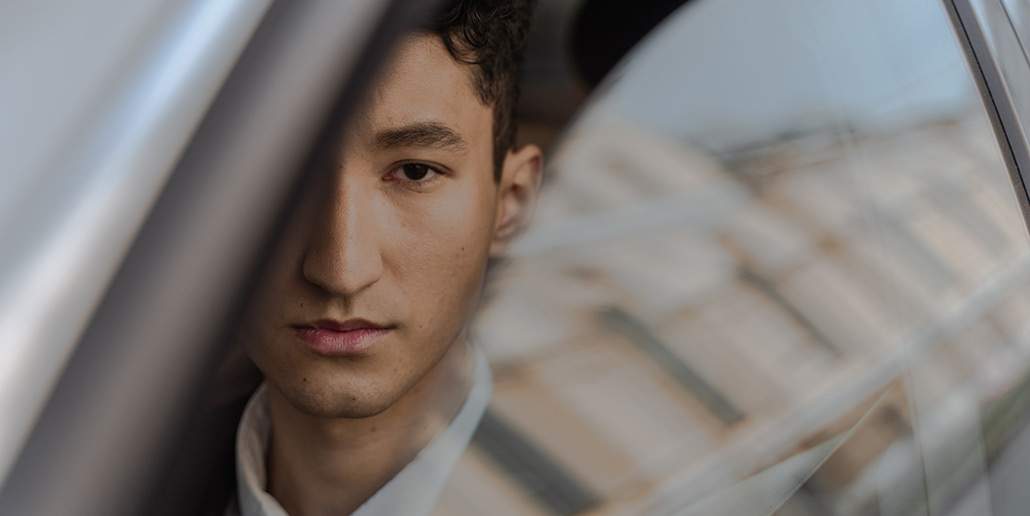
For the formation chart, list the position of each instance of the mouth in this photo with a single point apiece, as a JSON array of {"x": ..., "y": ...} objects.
[{"x": 329, "y": 337}]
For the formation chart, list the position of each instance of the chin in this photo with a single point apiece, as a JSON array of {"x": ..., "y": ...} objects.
[{"x": 339, "y": 400}]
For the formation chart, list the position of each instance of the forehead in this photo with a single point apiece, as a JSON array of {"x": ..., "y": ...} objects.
[{"x": 423, "y": 82}]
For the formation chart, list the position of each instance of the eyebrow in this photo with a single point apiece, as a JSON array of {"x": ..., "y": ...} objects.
[{"x": 422, "y": 134}]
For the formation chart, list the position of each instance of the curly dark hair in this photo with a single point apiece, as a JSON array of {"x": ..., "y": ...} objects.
[{"x": 489, "y": 35}]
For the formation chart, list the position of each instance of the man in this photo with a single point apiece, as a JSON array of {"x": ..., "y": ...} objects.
[{"x": 371, "y": 388}]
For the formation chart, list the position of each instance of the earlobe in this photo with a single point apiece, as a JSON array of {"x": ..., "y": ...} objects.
[{"x": 519, "y": 185}]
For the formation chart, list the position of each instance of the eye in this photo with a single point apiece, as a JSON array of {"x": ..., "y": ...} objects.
[{"x": 416, "y": 173}]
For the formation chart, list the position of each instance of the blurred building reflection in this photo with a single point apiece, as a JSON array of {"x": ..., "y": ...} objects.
[{"x": 812, "y": 318}]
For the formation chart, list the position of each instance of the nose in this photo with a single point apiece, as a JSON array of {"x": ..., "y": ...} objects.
[{"x": 343, "y": 254}]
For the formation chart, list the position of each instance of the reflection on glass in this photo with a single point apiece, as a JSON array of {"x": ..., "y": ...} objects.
[{"x": 778, "y": 267}]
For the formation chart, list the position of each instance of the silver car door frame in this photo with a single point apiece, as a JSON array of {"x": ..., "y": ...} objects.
[{"x": 98, "y": 184}]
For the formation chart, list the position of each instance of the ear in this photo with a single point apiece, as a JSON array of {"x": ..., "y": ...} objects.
[{"x": 520, "y": 179}]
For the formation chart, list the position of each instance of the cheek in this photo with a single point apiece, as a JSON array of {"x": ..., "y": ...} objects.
[
  {"x": 446, "y": 239},
  {"x": 279, "y": 295},
  {"x": 277, "y": 288}
]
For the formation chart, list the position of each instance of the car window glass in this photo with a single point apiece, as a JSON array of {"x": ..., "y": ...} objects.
[{"x": 778, "y": 265}]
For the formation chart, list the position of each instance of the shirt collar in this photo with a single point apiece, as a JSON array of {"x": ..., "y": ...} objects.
[{"x": 413, "y": 490}]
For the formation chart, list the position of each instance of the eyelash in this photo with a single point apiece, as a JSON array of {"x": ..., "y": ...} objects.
[{"x": 397, "y": 174}]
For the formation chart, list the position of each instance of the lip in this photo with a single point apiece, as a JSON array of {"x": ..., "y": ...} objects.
[{"x": 334, "y": 338}]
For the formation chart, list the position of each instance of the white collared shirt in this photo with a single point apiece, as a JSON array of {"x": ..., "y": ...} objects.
[{"x": 413, "y": 491}]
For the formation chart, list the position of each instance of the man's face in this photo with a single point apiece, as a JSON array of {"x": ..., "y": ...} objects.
[{"x": 394, "y": 240}]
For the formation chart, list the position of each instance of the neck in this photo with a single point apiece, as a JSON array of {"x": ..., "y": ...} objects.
[{"x": 320, "y": 465}]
